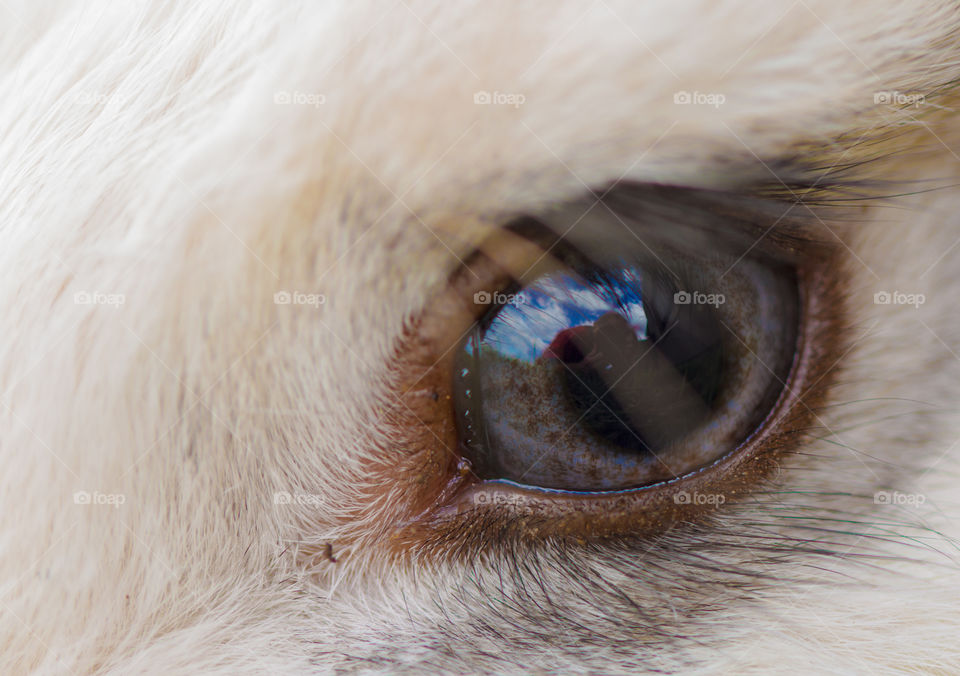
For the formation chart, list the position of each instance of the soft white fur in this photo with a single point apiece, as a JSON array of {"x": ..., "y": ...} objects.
[{"x": 143, "y": 154}]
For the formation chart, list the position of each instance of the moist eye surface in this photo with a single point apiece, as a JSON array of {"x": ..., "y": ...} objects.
[{"x": 617, "y": 362}]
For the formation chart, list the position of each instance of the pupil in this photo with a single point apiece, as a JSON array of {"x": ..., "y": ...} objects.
[{"x": 643, "y": 393}]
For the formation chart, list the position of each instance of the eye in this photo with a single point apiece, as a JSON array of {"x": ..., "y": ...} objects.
[
  {"x": 619, "y": 362},
  {"x": 614, "y": 367}
]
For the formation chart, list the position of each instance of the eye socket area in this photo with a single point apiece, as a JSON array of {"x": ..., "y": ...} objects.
[{"x": 741, "y": 418}]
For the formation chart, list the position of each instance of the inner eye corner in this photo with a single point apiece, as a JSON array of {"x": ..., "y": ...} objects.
[{"x": 613, "y": 480}]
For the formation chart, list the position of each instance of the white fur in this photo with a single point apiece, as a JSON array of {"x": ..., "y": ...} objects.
[{"x": 143, "y": 154}]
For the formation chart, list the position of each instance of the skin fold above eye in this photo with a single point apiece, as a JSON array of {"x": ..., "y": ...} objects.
[{"x": 588, "y": 382}]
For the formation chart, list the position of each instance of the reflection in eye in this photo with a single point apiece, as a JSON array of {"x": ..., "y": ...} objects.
[{"x": 617, "y": 371}]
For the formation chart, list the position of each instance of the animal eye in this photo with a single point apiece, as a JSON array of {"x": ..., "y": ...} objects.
[
  {"x": 612, "y": 370},
  {"x": 624, "y": 362}
]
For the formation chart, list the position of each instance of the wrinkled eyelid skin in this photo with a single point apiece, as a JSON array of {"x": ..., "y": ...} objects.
[{"x": 451, "y": 512}]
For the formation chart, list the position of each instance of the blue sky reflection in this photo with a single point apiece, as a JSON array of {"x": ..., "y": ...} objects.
[{"x": 525, "y": 327}]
